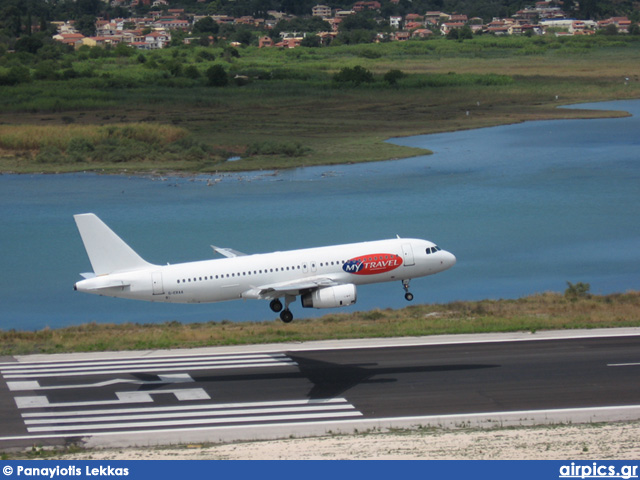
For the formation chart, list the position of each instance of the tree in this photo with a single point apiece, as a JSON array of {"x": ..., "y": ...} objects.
[
  {"x": 610, "y": 29},
  {"x": 359, "y": 21},
  {"x": 392, "y": 76},
  {"x": 465, "y": 33},
  {"x": 243, "y": 36},
  {"x": 86, "y": 25},
  {"x": 206, "y": 25},
  {"x": 311, "y": 40},
  {"x": 191, "y": 72},
  {"x": 16, "y": 74},
  {"x": 28, "y": 44},
  {"x": 217, "y": 76},
  {"x": 356, "y": 75}
]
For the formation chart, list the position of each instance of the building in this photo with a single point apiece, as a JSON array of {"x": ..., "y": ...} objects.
[{"x": 321, "y": 11}]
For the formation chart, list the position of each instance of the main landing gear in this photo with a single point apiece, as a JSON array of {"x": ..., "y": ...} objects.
[
  {"x": 276, "y": 305},
  {"x": 408, "y": 296}
]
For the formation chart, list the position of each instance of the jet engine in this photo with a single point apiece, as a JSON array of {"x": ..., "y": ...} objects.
[{"x": 330, "y": 297}]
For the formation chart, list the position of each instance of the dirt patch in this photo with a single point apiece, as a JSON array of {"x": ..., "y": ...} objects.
[{"x": 602, "y": 441}]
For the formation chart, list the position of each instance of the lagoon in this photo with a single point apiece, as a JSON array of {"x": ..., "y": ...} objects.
[{"x": 525, "y": 208}]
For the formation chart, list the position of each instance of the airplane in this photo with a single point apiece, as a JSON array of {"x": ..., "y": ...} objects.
[{"x": 323, "y": 277}]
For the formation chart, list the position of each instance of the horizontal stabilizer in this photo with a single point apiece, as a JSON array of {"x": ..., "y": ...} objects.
[
  {"x": 228, "y": 252},
  {"x": 112, "y": 284}
]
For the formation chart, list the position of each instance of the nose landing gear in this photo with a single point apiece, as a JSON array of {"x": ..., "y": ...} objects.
[{"x": 408, "y": 296}]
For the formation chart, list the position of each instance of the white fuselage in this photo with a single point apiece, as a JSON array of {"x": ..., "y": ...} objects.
[{"x": 259, "y": 276}]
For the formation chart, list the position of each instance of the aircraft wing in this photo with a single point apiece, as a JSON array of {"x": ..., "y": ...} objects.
[
  {"x": 228, "y": 252},
  {"x": 295, "y": 287}
]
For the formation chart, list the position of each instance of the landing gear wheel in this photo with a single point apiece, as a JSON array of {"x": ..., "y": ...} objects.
[
  {"x": 408, "y": 296},
  {"x": 276, "y": 305},
  {"x": 286, "y": 316}
]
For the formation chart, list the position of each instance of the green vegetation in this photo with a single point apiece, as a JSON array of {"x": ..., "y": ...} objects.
[
  {"x": 577, "y": 290},
  {"x": 307, "y": 106},
  {"x": 539, "y": 312}
]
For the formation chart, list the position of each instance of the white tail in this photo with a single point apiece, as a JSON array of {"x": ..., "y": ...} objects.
[{"x": 107, "y": 252}]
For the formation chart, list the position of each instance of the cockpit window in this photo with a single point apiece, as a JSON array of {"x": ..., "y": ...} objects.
[{"x": 433, "y": 249}]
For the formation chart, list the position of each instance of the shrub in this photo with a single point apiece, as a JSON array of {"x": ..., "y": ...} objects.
[
  {"x": 356, "y": 75},
  {"x": 16, "y": 74},
  {"x": 217, "y": 76},
  {"x": 49, "y": 155},
  {"x": 576, "y": 291},
  {"x": 78, "y": 149},
  {"x": 392, "y": 76},
  {"x": 289, "y": 149}
]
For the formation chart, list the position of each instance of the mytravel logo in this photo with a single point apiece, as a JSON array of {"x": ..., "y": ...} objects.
[{"x": 372, "y": 264}]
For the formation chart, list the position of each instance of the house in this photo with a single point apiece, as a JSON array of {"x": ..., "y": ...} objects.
[
  {"x": 265, "y": 41},
  {"x": 446, "y": 27},
  {"x": 68, "y": 38},
  {"x": 321, "y": 11},
  {"x": 344, "y": 13},
  {"x": 401, "y": 36},
  {"x": 421, "y": 33},
  {"x": 326, "y": 37},
  {"x": 156, "y": 40},
  {"x": 290, "y": 42},
  {"x": 100, "y": 41},
  {"x": 173, "y": 24},
  {"x": 414, "y": 17},
  {"x": 459, "y": 18},
  {"x": 432, "y": 18},
  {"x": 395, "y": 22},
  {"x": 413, "y": 25},
  {"x": 361, "y": 6}
]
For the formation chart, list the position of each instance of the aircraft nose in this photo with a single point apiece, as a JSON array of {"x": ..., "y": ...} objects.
[{"x": 449, "y": 259}]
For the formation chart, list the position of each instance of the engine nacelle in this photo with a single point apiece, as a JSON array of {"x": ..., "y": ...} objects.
[{"x": 330, "y": 297}]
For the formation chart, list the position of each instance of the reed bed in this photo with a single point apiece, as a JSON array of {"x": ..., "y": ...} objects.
[{"x": 36, "y": 137}]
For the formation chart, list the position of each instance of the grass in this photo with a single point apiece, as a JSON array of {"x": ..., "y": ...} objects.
[
  {"x": 36, "y": 137},
  {"x": 539, "y": 312},
  {"x": 290, "y": 99}
]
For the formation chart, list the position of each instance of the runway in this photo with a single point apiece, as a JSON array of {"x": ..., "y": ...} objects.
[{"x": 222, "y": 394}]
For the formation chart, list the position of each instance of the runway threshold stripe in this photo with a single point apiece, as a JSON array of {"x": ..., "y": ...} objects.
[
  {"x": 165, "y": 415},
  {"x": 153, "y": 369},
  {"x": 150, "y": 361},
  {"x": 201, "y": 421},
  {"x": 90, "y": 369},
  {"x": 219, "y": 406}
]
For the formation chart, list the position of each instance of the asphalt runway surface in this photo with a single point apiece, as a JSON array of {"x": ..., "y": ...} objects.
[{"x": 218, "y": 394}]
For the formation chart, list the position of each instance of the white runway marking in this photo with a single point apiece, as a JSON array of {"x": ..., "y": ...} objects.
[
  {"x": 90, "y": 421},
  {"x": 146, "y": 365},
  {"x": 164, "y": 380}
]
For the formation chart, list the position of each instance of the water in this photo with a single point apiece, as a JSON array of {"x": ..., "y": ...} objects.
[{"x": 525, "y": 208}]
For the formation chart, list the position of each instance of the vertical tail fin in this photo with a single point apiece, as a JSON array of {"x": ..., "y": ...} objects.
[{"x": 107, "y": 251}]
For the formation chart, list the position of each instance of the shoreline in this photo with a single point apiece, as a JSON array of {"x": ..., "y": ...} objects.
[{"x": 174, "y": 173}]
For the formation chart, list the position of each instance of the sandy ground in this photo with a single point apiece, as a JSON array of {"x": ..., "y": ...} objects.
[{"x": 601, "y": 441}]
